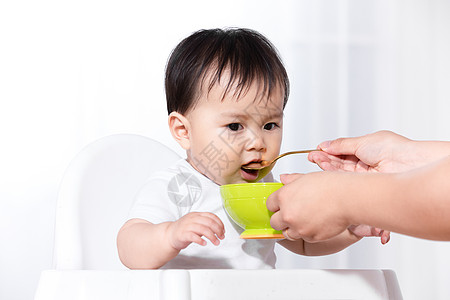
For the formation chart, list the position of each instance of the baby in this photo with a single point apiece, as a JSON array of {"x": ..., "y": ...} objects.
[{"x": 226, "y": 91}]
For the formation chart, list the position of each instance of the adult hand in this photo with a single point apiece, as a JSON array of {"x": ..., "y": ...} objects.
[
  {"x": 314, "y": 207},
  {"x": 309, "y": 206},
  {"x": 321, "y": 205},
  {"x": 382, "y": 151}
]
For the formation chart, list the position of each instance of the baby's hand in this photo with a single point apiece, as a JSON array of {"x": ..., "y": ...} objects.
[
  {"x": 191, "y": 227},
  {"x": 366, "y": 230}
]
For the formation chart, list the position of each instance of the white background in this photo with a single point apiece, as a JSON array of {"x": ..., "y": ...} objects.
[{"x": 74, "y": 71}]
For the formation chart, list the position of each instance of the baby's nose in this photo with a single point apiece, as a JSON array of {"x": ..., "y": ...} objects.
[{"x": 256, "y": 143}]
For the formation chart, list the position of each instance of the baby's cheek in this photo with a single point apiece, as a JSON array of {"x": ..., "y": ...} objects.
[{"x": 224, "y": 170}]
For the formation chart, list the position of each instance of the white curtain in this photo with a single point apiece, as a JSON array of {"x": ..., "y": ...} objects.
[{"x": 71, "y": 72}]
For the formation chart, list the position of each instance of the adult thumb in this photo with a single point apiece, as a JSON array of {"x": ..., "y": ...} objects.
[
  {"x": 341, "y": 146},
  {"x": 288, "y": 178}
]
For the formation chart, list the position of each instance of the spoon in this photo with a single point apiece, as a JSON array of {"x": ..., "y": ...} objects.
[{"x": 265, "y": 163}]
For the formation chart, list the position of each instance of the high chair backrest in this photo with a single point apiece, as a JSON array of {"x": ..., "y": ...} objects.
[{"x": 95, "y": 195}]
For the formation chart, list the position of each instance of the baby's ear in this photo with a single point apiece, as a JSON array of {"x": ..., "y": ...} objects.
[{"x": 179, "y": 128}]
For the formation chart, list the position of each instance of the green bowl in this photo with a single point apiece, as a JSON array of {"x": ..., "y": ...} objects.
[{"x": 245, "y": 203}]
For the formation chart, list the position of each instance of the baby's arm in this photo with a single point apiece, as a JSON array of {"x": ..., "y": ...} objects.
[
  {"x": 144, "y": 245},
  {"x": 366, "y": 230},
  {"x": 330, "y": 246},
  {"x": 336, "y": 244}
]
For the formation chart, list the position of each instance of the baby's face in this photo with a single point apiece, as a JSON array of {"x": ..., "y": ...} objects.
[{"x": 226, "y": 135}]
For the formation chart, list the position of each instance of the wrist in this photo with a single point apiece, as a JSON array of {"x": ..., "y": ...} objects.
[
  {"x": 169, "y": 234},
  {"x": 431, "y": 151},
  {"x": 366, "y": 198},
  {"x": 349, "y": 200},
  {"x": 377, "y": 199}
]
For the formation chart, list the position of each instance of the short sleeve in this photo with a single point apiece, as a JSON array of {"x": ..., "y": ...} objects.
[{"x": 152, "y": 202}]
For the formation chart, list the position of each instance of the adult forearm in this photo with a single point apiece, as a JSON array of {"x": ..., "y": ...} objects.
[
  {"x": 143, "y": 245},
  {"x": 431, "y": 150},
  {"x": 415, "y": 203}
]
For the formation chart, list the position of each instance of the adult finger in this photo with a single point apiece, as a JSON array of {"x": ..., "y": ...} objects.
[
  {"x": 323, "y": 160},
  {"x": 288, "y": 178},
  {"x": 287, "y": 236},
  {"x": 272, "y": 201},
  {"x": 341, "y": 146},
  {"x": 277, "y": 222}
]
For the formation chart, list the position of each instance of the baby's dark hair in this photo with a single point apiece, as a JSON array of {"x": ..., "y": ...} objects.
[{"x": 245, "y": 54}]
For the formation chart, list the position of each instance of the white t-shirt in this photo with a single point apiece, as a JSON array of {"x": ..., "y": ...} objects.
[{"x": 170, "y": 194}]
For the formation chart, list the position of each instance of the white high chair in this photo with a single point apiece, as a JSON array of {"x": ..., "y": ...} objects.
[
  {"x": 95, "y": 195},
  {"x": 94, "y": 198}
]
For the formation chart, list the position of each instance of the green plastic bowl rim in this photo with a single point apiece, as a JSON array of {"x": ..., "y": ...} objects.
[{"x": 251, "y": 183}]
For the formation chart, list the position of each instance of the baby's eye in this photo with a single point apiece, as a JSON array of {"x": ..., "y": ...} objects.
[
  {"x": 234, "y": 126},
  {"x": 270, "y": 126}
]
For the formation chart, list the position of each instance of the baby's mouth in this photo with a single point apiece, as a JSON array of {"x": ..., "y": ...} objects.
[
  {"x": 256, "y": 164},
  {"x": 250, "y": 174}
]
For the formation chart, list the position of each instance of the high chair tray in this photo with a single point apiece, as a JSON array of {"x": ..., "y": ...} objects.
[{"x": 218, "y": 284}]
